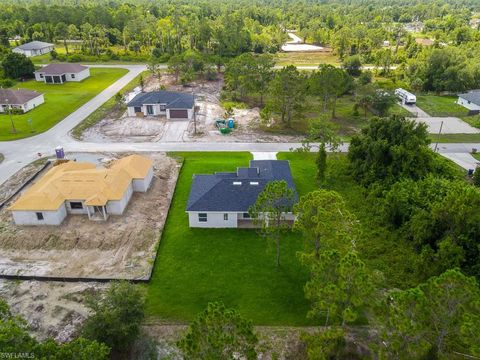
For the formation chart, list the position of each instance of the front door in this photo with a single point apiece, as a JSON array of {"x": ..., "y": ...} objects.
[{"x": 149, "y": 109}]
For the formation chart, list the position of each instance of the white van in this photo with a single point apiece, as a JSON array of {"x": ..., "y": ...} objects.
[{"x": 405, "y": 96}]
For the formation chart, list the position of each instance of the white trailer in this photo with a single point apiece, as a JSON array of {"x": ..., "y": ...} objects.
[{"x": 405, "y": 96}]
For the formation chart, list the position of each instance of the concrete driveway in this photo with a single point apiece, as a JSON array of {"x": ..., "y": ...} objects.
[
  {"x": 451, "y": 125},
  {"x": 174, "y": 130}
]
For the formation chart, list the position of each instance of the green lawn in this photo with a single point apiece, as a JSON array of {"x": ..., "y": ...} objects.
[
  {"x": 60, "y": 101},
  {"x": 196, "y": 266},
  {"x": 306, "y": 58},
  {"x": 473, "y": 120},
  {"x": 455, "y": 138},
  {"x": 440, "y": 105}
]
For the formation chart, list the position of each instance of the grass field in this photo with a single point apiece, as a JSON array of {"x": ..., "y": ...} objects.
[
  {"x": 306, "y": 58},
  {"x": 60, "y": 101},
  {"x": 455, "y": 138},
  {"x": 196, "y": 266},
  {"x": 348, "y": 123},
  {"x": 440, "y": 105}
]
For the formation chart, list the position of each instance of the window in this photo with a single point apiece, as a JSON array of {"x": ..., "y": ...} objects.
[
  {"x": 150, "y": 109},
  {"x": 237, "y": 183},
  {"x": 39, "y": 215},
  {"x": 137, "y": 109},
  {"x": 225, "y": 217},
  {"x": 163, "y": 107},
  {"x": 202, "y": 217},
  {"x": 41, "y": 76},
  {"x": 76, "y": 205},
  {"x": 253, "y": 182},
  {"x": 73, "y": 76},
  {"x": 246, "y": 215}
]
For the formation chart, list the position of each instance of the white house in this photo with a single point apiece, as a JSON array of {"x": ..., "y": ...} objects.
[
  {"x": 23, "y": 99},
  {"x": 222, "y": 200},
  {"x": 470, "y": 100},
  {"x": 61, "y": 73},
  {"x": 172, "y": 105},
  {"x": 82, "y": 188},
  {"x": 34, "y": 48}
]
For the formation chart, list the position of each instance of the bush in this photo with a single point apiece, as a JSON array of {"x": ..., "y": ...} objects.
[
  {"x": 6, "y": 83},
  {"x": 74, "y": 58},
  {"x": 117, "y": 317},
  {"x": 16, "y": 66}
]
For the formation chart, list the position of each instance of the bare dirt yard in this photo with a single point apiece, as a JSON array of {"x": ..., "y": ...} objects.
[
  {"x": 207, "y": 94},
  {"x": 123, "y": 247},
  {"x": 51, "y": 309}
]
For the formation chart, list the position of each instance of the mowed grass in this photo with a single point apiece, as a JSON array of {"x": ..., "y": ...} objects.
[
  {"x": 60, "y": 101},
  {"x": 236, "y": 266},
  {"x": 306, "y": 58},
  {"x": 440, "y": 105}
]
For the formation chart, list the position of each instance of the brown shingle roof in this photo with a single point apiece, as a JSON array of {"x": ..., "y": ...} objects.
[
  {"x": 59, "y": 69},
  {"x": 17, "y": 97}
]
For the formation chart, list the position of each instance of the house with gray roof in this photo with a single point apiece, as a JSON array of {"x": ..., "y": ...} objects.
[
  {"x": 61, "y": 73},
  {"x": 470, "y": 100},
  {"x": 34, "y": 48},
  {"x": 172, "y": 105},
  {"x": 21, "y": 99},
  {"x": 222, "y": 200}
]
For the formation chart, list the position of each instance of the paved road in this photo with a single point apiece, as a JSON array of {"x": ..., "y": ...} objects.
[{"x": 21, "y": 152}]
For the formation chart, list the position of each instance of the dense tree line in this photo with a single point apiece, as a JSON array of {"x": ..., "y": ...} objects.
[{"x": 357, "y": 33}]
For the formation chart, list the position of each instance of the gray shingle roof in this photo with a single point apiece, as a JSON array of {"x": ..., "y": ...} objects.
[
  {"x": 17, "y": 97},
  {"x": 217, "y": 192},
  {"x": 59, "y": 69},
  {"x": 472, "y": 96},
  {"x": 34, "y": 45},
  {"x": 174, "y": 100}
]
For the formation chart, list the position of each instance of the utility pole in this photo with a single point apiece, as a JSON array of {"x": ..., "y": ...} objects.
[
  {"x": 11, "y": 117},
  {"x": 194, "y": 117},
  {"x": 438, "y": 139}
]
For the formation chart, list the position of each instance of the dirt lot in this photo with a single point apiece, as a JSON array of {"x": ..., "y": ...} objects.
[
  {"x": 123, "y": 247},
  {"x": 207, "y": 94},
  {"x": 51, "y": 309}
]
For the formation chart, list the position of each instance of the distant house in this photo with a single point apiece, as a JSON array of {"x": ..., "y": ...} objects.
[
  {"x": 34, "y": 48},
  {"x": 61, "y": 73},
  {"x": 424, "y": 42},
  {"x": 22, "y": 99},
  {"x": 173, "y": 105},
  {"x": 470, "y": 100},
  {"x": 222, "y": 200},
  {"x": 82, "y": 188}
]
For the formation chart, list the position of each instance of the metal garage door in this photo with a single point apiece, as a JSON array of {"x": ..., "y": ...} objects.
[{"x": 178, "y": 114}]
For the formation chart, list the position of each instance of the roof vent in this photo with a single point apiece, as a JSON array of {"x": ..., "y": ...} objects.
[
  {"x": 237, "y": 183},
  {"x": 253, "y": 182}
]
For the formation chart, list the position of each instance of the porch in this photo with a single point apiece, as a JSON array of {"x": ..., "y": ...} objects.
[
  {"x": 97, "y": 213},
  {"x": 55, "y": 79}
]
